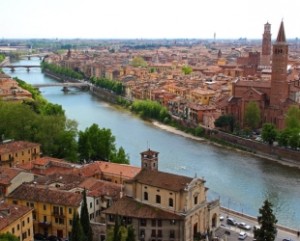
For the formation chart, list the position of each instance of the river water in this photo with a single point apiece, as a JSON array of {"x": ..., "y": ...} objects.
[{"x": 241, "y": 181}]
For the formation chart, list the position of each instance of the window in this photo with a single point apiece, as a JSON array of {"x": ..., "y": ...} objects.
[
  {"x": 23, "y": 223},
  {"x": 171, "y": 202},
  {"x": 157, "y": 198},
  {"x": 159, "y": 233},
  {"x": 28, "y": 232},
  {"x": 143, "y": 222},
  {"x": 13, "y": 230},
  {"x": 70, "y": 222},
  {"x": 15, "y": 202},
  {"x": 28, "y": 220},
  {"x": 45, "y": 219},
  {"x": 159, "y": 223},
  {"x": 172, "y": 233},
  {"x": 153, "y": 222},
  {"x": 97, "y": 201},
  {"x": 195, "y": 199},
  {"x": 146, "y": 196},
  {"x": 70, "y": 210},
  {"x": 142, "y": 233},
  {"x": 153, "y": 233},
  {"x": 91, "y": 204},
  {"x": 45, "y": 207}
]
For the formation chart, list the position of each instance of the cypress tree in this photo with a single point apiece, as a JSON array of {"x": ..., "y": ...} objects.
[
  {"x": 85, "y": 219},
  {"x": 77, "y": 232},
  {"x": 267, "y": 222}
]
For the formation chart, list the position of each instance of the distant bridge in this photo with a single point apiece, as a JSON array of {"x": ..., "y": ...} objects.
[
  {"x": 63, "y": 84},
  {"x": 13, "y": 67},
  {"x": 39, "y": 55}
]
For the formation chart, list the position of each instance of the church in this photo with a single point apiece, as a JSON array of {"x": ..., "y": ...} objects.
[
  {"x": 164, "y": 206},
  {"x": 274, "y": 96}
]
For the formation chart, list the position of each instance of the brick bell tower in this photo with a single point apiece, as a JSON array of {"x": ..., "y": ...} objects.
[
  {"x": 266, "y": 46},
  {"x": 149, "y": 160},
  {"x": 279, "y": 84}
]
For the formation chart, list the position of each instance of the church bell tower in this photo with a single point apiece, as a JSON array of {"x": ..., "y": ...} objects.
[
  {"x": 149, "y": 160},
  {"x": 279, "y": 85},
  {"x": 266, "y": 46}
]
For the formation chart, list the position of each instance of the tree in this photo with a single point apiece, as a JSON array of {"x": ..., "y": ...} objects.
[
  {"x": 85, "y": 219},
  {"x": 130, "y": 234},
  {"x": 138, "y": 62},
  {"x": 77, "y": 232},
  {"x": 292, "y": 119},
  {"x": 225, "y": 121},
  {"x": 252, "y": 115},
  {"x": 269, "y": 133},
  {"x": 267, "y": 222},
  {"x": 96, "y": 143},
  {"x": 8, "y": 237},
  {"x": 120, "y": 157},
  {"x": 187, "y": 69}
]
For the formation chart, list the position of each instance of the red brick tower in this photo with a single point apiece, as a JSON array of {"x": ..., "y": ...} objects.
[
  {"x": 279, "y": 85},
  {"x": 266, "y": 46}
]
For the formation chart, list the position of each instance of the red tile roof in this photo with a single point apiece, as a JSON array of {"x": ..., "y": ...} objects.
[
  {"x": 163, "y": 180},
  {"x": 7, "y": 174},
  {"x": 10, "y": 213},
  {"x": 16, "y": 146},
  {"x": 130, "y": 208},
  {"x": 45, "y": 195}
]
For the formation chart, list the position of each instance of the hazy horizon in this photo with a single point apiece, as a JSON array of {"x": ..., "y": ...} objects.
[{"x": 141, "y": 19}]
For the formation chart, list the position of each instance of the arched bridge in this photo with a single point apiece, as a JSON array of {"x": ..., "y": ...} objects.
[
  {"x": 13, "y": 67},
  {"x": 64, "y": 84}
]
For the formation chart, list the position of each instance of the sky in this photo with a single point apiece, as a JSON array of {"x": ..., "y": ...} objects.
[{"x": 142, "y": 19}]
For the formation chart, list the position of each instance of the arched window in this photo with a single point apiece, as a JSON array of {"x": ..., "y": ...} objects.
[
  {"x": 157, "y": 198},
  {"x": 146, "y": 196},
  {"x": 171, "y": 202}
]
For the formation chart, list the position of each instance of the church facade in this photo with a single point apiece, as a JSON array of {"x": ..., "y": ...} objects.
[{"x": 273, "y": 97}]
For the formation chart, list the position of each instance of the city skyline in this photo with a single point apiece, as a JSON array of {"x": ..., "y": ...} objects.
[{"x": 135, "y": 19}]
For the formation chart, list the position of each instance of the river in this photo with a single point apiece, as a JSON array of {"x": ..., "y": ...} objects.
[{"x": 241, "y": 181}]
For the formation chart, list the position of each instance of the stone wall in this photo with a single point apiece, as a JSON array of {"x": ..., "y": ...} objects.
[{"x": 256, "y": 147}]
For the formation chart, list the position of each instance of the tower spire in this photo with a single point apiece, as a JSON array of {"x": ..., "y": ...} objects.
[{"x": 281, "y": 33}]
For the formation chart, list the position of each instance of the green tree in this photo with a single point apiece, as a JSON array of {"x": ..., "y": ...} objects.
[
  {"x": 77, "y": 231},
  {"x": 226, "y": 122},
  {"x": 85, "y": 219},
  {"x": 267, "y": 222},
  {"x": 252, "y": 115},
  {"x": 138, "y": 61},
  {"x": 8, "y": 237},
  {"x": 269, "y": 133},
  {"x": 130, "y": 234},
  {"x": 96, "y": 143},
  {"x": 292, "y": 119},
  {"x": 187, "y": 69},
  {"x": 120, "y": 157}
]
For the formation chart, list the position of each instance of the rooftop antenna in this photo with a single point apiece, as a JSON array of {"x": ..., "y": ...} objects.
[{"x": 148, "y": 146}]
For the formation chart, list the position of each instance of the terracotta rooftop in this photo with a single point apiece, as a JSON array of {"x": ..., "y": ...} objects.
[
  {"x": 45, "y": 195},
  {"x": 14, "y": 146},
  {"x": 127, "y": 171},
  {"x": 163, "y": 180},
  {"x": 7, "y": 174},
  {"x": 130, "y": 208},
  {"x": 10, "y": 213}
]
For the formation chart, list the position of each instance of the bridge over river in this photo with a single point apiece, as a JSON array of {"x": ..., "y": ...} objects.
[
  {"x": 13, "y": 67},
  {"x": 65, "y": 85}
]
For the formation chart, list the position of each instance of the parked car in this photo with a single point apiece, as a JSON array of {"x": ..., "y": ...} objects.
[
  {"x": 243, "y": 225},
  {"x": 39, "y": 236},
  {"x": 231, "y": 221},
  {"x": 287, "y": 239},
  {"x": 221, "y": 218},
  {"x": 242, "y": 235}
]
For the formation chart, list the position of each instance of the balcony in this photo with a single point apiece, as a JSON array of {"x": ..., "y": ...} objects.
[
  {"x": 58, "y": 215},
  {"x": 44, "y": 224}
]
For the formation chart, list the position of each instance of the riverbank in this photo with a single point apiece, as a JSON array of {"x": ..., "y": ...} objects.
[{"x": 173, "y": 130}]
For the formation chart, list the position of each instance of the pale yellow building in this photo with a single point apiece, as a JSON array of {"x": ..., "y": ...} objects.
[
  {"x": 52, "y": 209},
  {"x": 13, "y": 153},
  {"x": 165, "y": 206},
  {"x": 17, "y": 220}
]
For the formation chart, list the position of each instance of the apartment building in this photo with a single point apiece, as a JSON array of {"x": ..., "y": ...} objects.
[
  {"x": 17, "y": 220},
  {"x": 13, "y": 153}
]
